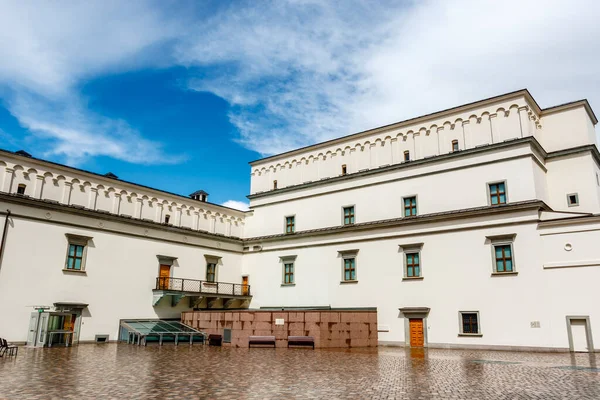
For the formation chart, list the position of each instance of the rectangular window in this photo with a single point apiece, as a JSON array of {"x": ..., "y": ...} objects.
[
  {"x": 288, "y": 273},
  {"x": 497, "y": 193},
  {"x": 211, "y": 272},
  {"x": 413, "y": 266},
  {"x": 349, "y": 269},
  {"x": 455, "y": 145},
  {"x": 503, "y": 258},
  {"x": 290, "y": 224},
  {"x": 274, "y": 184},
  {"x": 469, "y": 323},
  {"x": 75, "y": 257},
  {"x": 407, "y": 155},
  {"x": 344, "y": 169},
  {"x": 572, "y": 199},
  {"x": 410, "y": 206},
  {"x": 348, "y": 215},
  {"x": 21, "y": 189}
]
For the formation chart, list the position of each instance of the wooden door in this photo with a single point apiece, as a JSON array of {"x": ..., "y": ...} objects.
[
  {"x": 164, "y": 275},
  {"x": 416, "y": 332},
  {"x": 245, "y": 288}
]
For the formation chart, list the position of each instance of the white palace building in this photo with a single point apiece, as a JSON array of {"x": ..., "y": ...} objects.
[{"x": 472, "y": 227}]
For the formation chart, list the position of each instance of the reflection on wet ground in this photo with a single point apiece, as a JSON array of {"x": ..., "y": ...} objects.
[{"x": 200, "y": 372}]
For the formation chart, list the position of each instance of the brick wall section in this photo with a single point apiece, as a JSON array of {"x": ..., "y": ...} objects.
[{"x": 344, "y": 328}]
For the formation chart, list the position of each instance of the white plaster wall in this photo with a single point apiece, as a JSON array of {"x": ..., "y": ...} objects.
[
  {"x": 120, "y": 274},
  {"x": 566, "y": 129},
  {"x": 573, "y": 174}
]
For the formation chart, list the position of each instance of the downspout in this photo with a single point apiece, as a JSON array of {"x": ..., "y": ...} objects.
[{"x": 4, "y": 232}]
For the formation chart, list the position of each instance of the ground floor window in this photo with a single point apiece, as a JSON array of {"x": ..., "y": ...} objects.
[{"x": 469, "y": 322}]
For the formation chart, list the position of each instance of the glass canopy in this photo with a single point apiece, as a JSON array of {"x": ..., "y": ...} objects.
[{"x": 144, "y": 331}]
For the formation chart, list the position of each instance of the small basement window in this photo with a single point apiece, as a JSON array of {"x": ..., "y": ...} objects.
[
  {"x": 573, "y": 199},
  {"x": 101, "y": 339}
]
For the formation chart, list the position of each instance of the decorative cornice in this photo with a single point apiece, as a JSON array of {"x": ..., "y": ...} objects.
[{"x": 419, "y": 219}]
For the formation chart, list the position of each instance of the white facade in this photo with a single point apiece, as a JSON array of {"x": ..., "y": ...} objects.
[{"x": 546, "y": 161}]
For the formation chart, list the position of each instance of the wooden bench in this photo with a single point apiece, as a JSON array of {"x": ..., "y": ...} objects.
[
  {"x": 214, "y": 339},
  {"x": 261, "y": 340},
  {"x": 301, "y": 341}
]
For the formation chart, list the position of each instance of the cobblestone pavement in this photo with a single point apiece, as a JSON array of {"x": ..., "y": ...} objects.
[{"x": 198, "y": 372}]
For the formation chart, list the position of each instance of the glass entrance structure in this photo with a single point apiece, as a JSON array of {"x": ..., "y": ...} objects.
[{"x": 160, "y": 331}]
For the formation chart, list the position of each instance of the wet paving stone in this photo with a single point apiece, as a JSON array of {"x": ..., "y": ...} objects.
[{"x": 120, "y": 371}]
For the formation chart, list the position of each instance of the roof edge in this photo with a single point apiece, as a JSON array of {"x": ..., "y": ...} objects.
[{"x": 573, "y": 104}]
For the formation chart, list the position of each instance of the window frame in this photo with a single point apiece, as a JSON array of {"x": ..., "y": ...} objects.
[
  {"x": 479, "y": 332},
  {"x": 406, "y": 153},
  {"x": 286, "y": 225},
  {"x": 454, "y": 146},
  {"x": 344, "y": 169},
  {"x": 21, "y": 186},
  {"x": 77, "y": 240},
  {"x": 503, "y": 240},
  {"x": 353, "y": 215},
  {"x": 416, "y": 207},
  {"x": 286, "y": 260},
  {"x": 274, "y": 184},
  {"x": 411, "y": 248},
  {"x": 212, "y": 260},
  {"x": 489, "y": 193},
  {"x": 349, "y": 255},
  {"x": 576, "y": 204}
]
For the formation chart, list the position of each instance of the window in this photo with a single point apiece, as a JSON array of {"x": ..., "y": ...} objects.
[
  {"x": 469, "y": 323},
  {"x": 350, "y": 269},
  {"x": 290, "y": 224},
  {"x": 211, "y": 267},
  {"x": 407, "y": 155},
  {"x": 76, "y": 252},
  {"x": 344, "y": 169},
  {"x": 167, "y": 218},
  {"x": 275, "y": 184},
  {"x": 455, "y": 145},
  {"x": 502, "y": 254},
  {"x": 497, "y": 193},
  {"x": 573, "y": 199},
  {"x": 410, "y": 206},
  {"x": 349, "y": 266},
  {"x": 211, "y": 272},
  {"x": 288, "y": 273},
  {"x": 413, "y": 267},
  {"x": 412, "y": 260},
  {"x": 503, "y": 258},
  {"x": 21, "y": 189},
  {"x": 348, "y": 215}
]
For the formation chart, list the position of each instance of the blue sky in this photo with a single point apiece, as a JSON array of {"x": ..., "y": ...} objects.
[{"x": 180, "y": 95}]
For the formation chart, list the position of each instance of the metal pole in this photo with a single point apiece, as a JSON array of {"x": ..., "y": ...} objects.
[{"x": 4, "y": 232}]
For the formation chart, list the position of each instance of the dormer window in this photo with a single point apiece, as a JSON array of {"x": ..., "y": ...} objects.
[
  {"x": 407, "y": 155},
  {"x": 199, "y": 195},
  {"x": 21, "y": 189}
]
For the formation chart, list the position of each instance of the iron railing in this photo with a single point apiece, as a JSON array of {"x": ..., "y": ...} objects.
[{"x": 203, "y": 287}]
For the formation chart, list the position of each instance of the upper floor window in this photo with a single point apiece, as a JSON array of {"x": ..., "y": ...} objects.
[
  {"x": 573, "y": 199},
  {"x": 167, "y": 218},
  {"x": 413, "y": 265},
  {"x": 497, "y": 193},
  {"x": 76, "y": 252},
  {"x": 469, "y": 323},
  {"x": 455, "y": 145},
  {"x": 502, "y": 253},
  {"x": 275, "y": 184},
  {"x": 290, "y": 224},
  {"x": 288, "y": 273},
  {"x": 21, "y": 189},
  {"x": 348, "y": 215},
  {"x": 407, "y": 155},
  {"x": 211, "y": 272},
  {"x": 410, "y": 206},
  {"x": 344, "y": 169},
  {"x": 348, "y": 265}
]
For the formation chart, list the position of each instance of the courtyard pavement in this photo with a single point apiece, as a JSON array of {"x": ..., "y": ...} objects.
[{"x": 197, "y": 372}]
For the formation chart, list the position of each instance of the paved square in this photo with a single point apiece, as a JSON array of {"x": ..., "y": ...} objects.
[{"x": 199, "y": 372}]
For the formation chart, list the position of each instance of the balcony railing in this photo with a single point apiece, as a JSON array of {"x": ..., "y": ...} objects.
[{"x": 202, "y": 287}]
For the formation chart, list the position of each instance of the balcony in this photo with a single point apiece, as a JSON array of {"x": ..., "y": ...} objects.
[{"x": 202, "y": 294}]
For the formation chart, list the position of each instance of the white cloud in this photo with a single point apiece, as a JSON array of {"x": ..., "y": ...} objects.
[
  {"x": 48, "y": 49},
  {"x": 299, "y": 72},
  {"x": 238, "y": 205}
]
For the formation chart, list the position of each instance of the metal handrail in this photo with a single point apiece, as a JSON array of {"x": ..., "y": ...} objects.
[{"x": 199, "y": 286}]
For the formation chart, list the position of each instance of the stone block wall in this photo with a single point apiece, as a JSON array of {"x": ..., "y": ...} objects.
[{"x": 331, "y": 328}]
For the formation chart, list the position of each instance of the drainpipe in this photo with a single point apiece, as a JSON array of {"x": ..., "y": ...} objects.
[{"x": 4, "y": 232}]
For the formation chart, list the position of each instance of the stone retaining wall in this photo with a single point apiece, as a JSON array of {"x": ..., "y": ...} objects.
[{"x": 335, "y": 328}]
